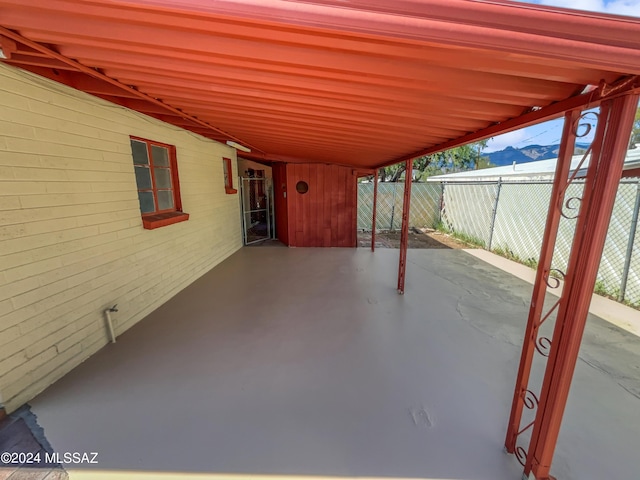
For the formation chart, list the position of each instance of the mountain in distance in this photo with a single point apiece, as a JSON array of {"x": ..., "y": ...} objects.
[{"x": 530, "y": 153}]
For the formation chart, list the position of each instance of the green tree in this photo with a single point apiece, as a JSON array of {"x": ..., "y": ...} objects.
[
  {"x": 465, "y": 157},
  {"x": 391, "y": 173}
]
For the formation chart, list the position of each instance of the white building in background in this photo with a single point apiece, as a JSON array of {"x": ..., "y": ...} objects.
[{"x": 539, "y": 170}]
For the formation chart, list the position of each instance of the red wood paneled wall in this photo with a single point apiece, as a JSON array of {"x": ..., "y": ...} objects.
[
  {"x": 279, "y": 172},
  {"x": 326, "y": 215}
]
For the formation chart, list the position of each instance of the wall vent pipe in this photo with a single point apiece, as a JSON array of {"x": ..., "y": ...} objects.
[{"x": 108, "y": 313}]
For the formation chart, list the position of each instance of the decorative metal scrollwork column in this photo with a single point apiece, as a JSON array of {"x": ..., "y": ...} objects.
[
  {"x": 593, "y": 214},
  {"x": 544, "y": 280}
]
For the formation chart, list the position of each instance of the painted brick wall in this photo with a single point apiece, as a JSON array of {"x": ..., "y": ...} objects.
[{"x": 71, "y": 236}]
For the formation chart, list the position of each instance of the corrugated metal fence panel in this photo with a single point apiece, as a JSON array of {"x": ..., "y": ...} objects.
[
  {"x": 424, "y": 212},
  {"x": 468, "y": 209}
]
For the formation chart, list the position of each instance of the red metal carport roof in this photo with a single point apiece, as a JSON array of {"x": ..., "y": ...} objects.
[{"x": 351, "y": 82}]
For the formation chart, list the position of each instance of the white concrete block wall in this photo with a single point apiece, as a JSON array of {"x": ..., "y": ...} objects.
[{"x": 71, "y": 235}]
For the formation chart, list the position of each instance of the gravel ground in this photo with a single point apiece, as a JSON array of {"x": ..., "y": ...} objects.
[{"x": 418, "y": 238}]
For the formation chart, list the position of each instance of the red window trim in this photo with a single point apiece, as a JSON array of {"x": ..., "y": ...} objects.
[
  {"x": 161, "y": 218},
  {"x": 228, "y": 186},
  {"x": 158, "y": 220}
]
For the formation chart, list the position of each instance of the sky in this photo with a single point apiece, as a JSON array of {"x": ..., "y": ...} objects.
[{"x": 549, "y": 133}]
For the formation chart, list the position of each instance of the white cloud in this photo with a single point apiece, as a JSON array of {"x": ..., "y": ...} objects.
[
  {"x": 619, "y": 7},
  {"x": 508, "y": 139}
]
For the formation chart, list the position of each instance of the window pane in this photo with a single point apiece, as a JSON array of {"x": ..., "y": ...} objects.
[
  {"x": 139, "y": 150},
  {"x": 146, "y": 202},
  {"x": 143, "y": 178},
  {"x": 160, "y": 156},
  {"x": 165, "y": 199},
  {"x": 226, "y": 164},
  {"x": 163, "y": 177}
]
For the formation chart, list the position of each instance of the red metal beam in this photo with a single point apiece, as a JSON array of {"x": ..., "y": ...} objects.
[
  {"x": 96, "y": 86},
  {"x": 375, "y": 208},
  {"x": 82, "y": 82},
  {"x": 8, "y": 46},
  {"x": 138, "y": 105},
  {"x": 603, "y": 176},
  {"x": 162, "y": 115},
  {"x": 404, "y": 234},
  {"x": 96, "y": 74},
  {"x": 24, "y": 50},
  {"x": 20, "y": 59}
]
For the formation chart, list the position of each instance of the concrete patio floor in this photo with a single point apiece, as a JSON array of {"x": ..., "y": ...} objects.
[{"x": 307, "y": 362}]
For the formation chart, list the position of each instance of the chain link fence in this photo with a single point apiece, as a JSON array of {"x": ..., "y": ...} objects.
[
  {"x": 509, "y": 218},
  {"x": 476, "y": 222},
  {"x": 424, "y": 211}
]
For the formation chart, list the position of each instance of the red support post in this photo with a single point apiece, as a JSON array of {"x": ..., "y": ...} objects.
[
  {"x": 404, "y": 235},
  {"x": 375, "y": 208},
  {"x": 603, "y": 177},
  {"x": 567, "y": 145}
]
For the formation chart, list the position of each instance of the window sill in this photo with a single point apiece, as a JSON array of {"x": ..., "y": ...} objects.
[
  {"x": 230, "y": 191},
  {"x": 150, "y": 222}
]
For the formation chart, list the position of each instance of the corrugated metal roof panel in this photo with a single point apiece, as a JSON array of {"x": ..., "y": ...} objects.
[{"x": 356, "y": 83}]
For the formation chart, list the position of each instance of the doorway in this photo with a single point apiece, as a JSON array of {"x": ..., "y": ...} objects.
[{"x": 257, "y": 209}]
